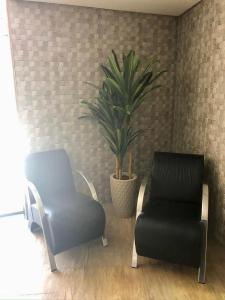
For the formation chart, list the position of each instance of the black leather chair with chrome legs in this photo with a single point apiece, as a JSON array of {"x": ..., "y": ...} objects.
[
  {"x": 172, "y": 225},
  {"x": 66, "y": 217}
]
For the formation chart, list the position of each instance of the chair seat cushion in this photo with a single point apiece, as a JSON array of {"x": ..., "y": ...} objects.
[
  {"x": 78, "y": 220},
  {"x": 174, "y": 240}
]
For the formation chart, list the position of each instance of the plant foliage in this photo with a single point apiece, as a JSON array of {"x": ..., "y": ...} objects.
[{"x": 125, "y": 87}]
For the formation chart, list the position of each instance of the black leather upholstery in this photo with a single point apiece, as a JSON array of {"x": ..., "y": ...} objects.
[
  {"x": 74, "y": 218},
  {"x": 51, "y": 173},
  {"x": 170, "y": 227},
  {"x": 177, "y": 177},
  {"x": 177, "y": 241}
]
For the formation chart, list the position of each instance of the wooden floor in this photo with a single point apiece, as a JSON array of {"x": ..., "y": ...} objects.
[{"x": 91, "y": 272}]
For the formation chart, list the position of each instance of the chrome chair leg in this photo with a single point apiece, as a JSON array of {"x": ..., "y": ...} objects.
[
  {"x": 104, "y": 241},
  {"x": 202, "y": 268},
  {"x": 201, "y": 274},
  {"x": 134, "y": 262},
  {"x": 51, "y": 260}
]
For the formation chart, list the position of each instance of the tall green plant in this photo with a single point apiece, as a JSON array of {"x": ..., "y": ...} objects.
[{"x": 125, "y": 86}]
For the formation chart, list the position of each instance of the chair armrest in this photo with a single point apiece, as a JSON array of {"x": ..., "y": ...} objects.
[
  {"x": 205, "y": 203},
  {"x": 37, "y": 197},
  {"x": 89, "y": 183},
  {"x": 141, "y": 195},
  {"x": 44, "y": 222}
]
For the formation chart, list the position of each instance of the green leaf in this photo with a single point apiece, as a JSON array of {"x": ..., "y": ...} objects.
[
  {"x": 114, "y": 68},
  {"x": 92, "y": 84},
  {"x": 107, "y": 72},
  {"x": 116, "y": 60},
  {"x": 114, "y": 86},
  {"x": 124, "y": 88},
  {"x": 157, "y": 76}
]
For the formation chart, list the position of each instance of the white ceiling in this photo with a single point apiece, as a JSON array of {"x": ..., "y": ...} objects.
[{"x": 163, "y": 7}]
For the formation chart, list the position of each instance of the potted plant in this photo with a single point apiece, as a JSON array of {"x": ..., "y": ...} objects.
[{"x": 125, "y": 86}]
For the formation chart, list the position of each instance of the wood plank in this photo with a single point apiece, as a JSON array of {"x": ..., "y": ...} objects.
[{"x": 91, "y": 271}]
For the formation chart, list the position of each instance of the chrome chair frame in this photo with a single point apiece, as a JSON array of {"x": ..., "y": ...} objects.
[
  {"x": 204, "y": 220},
  {"x": 44, "y": 220}
]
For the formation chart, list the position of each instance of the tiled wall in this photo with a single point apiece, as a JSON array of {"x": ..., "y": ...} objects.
[
  {"x": 199, "y": 115},
  {"x": 55, "y": 49}
]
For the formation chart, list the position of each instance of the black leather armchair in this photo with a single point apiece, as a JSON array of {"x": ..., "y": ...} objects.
[
  {"x": 66, "y": 217},
  {"x": 172, "y": 225}
]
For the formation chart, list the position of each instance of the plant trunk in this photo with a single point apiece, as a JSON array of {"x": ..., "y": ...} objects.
[
  {"x": 118, "y": 168},
  {"x": 130, "y": 164},
  {"x": 120, "y": 173}
]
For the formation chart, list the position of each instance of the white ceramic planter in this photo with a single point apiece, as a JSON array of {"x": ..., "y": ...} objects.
[{"x": 124, "y": 195}]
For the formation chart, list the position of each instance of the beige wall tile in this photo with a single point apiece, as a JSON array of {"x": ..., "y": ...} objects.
[
  {"x": 199, "y": 114},
  {"x": 55, "y": 49}
]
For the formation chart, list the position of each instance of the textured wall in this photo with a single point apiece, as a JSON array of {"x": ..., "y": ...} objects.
[
  {"x": 55, "y": 49},
  {"x": 199, "y": 115}
]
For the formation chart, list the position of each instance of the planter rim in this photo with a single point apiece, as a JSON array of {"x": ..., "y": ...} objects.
[{"x": 134, "y": 177}]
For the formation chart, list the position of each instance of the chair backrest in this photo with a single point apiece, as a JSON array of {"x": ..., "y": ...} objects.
[
  {"x": 177, "y": 177},
  {"x": 51, "y": 173}
]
